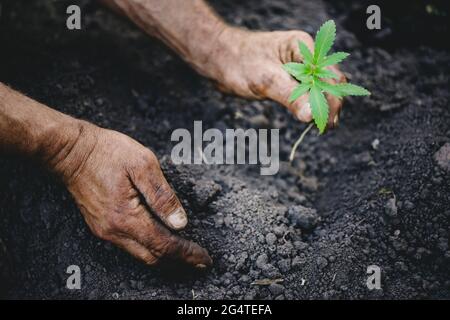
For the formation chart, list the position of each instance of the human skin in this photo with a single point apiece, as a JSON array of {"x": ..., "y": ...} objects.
[
  {"x": 108, "y": 174},
  {"x": 116, "y": 182}
]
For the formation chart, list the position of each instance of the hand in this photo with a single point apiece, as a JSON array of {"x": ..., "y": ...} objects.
[
  {"x": 114, "y": 179},
  {"x": 249, "y": 64},
  {"x": 246, "y": 63}
]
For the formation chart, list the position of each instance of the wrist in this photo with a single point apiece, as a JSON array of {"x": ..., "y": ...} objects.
[
  {"x": 202, "y": 53},
  {"x": 30, "y": 128},
  {"x": 191, "y": 28},
  {"x": 66, "y": 146},
  {"x": 213, "y": 58}
]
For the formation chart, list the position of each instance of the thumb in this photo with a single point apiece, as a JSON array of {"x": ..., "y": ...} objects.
[{"x": 160, "y": 197}]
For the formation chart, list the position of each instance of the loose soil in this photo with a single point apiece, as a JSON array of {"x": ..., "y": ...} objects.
[{"x": 373, "y": 192}]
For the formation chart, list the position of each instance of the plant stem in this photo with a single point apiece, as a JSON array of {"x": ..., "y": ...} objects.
[{"x": 297, "y": 143}]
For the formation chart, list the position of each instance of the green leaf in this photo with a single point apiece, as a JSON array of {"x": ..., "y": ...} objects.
[
  {"x": 348, "y": 89},
  {"x": 319, "y": 107},
  {"x": 297, "y": 70},
  {"x": 324, "y": 40},
  {"x": 331, "y": 89},
  {"x": 299, "y": 90},
  {"x": 334, "y": 58},
  {"x": 308, "y": 69},
  {"x": 304, "y": 51},
  {"x": 325, "y": 74}
]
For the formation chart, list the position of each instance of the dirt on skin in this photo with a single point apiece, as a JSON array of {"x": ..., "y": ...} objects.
[{"x": 373, "y": 192}]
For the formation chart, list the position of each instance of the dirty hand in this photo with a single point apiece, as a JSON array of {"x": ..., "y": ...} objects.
[
  {"x": 115, "y": 181},
  {"x": 249, "y": 64}
]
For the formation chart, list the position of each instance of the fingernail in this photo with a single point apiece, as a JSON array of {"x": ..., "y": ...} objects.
[
  {"x": 304, "y": 114},
  {"x": 336, "y": 120},
  {"x": 177, "y": 219}
]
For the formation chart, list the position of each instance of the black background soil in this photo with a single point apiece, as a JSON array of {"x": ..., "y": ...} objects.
[{"x": 370, "y": 192}]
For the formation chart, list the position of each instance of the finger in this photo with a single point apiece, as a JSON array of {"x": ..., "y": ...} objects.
[
  {"x": 335, "y": 107},
  {"x": 163, "y": 244},
  {"x": 280, "y": 90},
  {"x": 160, "y": 197},
  {"x": 135, "y": 249},
  {"x": 295, "y": 55},
  {"x": 293, "y": 48}
]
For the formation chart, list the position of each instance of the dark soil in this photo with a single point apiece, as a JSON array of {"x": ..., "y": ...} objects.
[{"x": 370, "y": 192}]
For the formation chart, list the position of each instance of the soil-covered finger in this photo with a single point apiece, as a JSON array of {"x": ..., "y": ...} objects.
[{"x": 165, "y": 245}]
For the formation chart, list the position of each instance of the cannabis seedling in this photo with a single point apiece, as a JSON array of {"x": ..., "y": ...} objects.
[{"x": 312, "y": 75}]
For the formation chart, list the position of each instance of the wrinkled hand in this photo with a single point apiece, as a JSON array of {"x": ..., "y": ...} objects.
[
  {"x": 249, "y": 64},
  {"x": 114, "y": 179}
]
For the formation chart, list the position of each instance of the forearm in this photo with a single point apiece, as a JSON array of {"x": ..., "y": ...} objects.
[
  {"x": 32, "y": 129},
  {"x": 189, "y": 27}
]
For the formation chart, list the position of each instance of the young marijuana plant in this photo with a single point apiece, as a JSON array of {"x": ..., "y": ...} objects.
[{"x": 312, "y": 72}]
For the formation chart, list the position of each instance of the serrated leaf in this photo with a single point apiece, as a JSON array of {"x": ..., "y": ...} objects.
[
  {"x": 334, "y": 58},
  {"x": 299, "y": 90},
  {"x": 348, "y": 89},
  {"x": 331, "y": 89},
  {"x": 325, "y": 74},
  {"x": 319, "y": 107},
  {"x": 308, "y": 69},
  {"x": 306, "y": 54},
  {"x": 324, "y": 40},
  {"x": 294, "y": 67},
  {"x": 297, "y": 70}
]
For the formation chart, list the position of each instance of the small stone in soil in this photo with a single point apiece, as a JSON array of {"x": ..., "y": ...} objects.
[
  {"x": 261, "y": 261},
  {"x": 390, "y": 208},
  {"x": 205, "y": 191},
  {"x": 276, "y": 289},
  {"x": 271, "y": 239},
  {"x": 442, "y": 157},
  {"x": 303, "y": 217}
]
